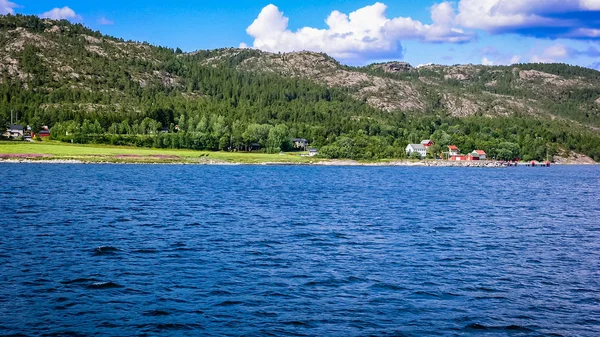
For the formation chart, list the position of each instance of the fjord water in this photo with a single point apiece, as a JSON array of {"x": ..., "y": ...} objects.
[{"x": 118, "y": 250}]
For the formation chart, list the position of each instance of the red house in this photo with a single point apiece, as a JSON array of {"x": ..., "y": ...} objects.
[
  {"x": 44, "y": 132},
  {"x": 459, "y": 158},
  {"x": 427, "y": 143}
]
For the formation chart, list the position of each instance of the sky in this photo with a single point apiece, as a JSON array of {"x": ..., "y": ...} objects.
[{"x": 492, "y": 32}]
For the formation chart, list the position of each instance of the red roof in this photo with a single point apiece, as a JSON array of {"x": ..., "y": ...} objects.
[
  {"x": 480, "y": 151},
  {"x": 453, "y": 147}
]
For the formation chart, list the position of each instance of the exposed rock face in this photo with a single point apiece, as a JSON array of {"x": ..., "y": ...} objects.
[
  {"x": 383, "y": 93},
  {"x": 573, "y": 158},
  {"x": 598, "y": 101},
  {"x": 394, "y": 67},
  {"x": 555, "y": 80}
]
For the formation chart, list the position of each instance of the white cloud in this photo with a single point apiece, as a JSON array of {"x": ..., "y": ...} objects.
[
  {"x": 362, "y": 34},
  {"x": 508, "y": 15},
  {"x": 515, "y": 59},
  {"x": 552, "y": 54},
  {"x": 104, "y": 21},
  {"x": 486, "y": 62},
  {"x": 593, "y": 5},
  {"x": 7, "y": 7},
  {"x": 557, "y": 51},
  {"x": 65, "y": 13},
  {"x": 424, "y": 65}
]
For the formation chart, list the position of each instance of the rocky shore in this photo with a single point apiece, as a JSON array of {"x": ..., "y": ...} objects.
[{"x": 333, "y": 162}]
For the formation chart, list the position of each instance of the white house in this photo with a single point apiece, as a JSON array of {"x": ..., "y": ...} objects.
[
  {"x": 419, "y": 148},
  {"x": 313, "y": 152},
  {"x": 14, "y": 131}
]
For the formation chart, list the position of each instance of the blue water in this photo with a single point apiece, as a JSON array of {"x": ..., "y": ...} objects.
[{"x": 120, "y": 250}]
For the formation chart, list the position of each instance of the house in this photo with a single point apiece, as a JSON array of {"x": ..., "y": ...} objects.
[
  {"x": 44, "y": 132},
  {"x": 453, "y": 150},
  {"x": 427, "y": 143},
  {"x": 480, "y": 153},
  {"x": 419, "y": 148},
  {"x": 300, "y": 143},
  {"x": 313, "y": 152},
  {"x": 14, "y": 131},
  {"x": 254, "y": 147},
  {"x": 164, "y": 130}
]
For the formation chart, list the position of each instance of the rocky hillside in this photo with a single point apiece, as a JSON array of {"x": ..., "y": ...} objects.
[
  {"x": 544, "y": 90},
  {"x": 46, "y": 54}
]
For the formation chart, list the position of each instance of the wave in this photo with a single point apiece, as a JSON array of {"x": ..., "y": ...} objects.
[
  {"x": 147, "y": 251},
  {"x": 104, "y": 285},
  {"x": 102, "y": 250},
  {"x": 156, "y": 313},
  {"x": 477, "y": 326},
  {"x": 80, "y": 280}
]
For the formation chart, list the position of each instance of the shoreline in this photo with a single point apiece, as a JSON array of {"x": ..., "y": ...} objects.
[{"x": 325, "y": 162}]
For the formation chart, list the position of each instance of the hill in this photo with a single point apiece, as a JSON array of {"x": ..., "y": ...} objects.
[{"x": 89, "y": 87}]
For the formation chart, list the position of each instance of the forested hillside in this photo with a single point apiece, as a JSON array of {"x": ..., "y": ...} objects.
[{"x": 93, "y": 88}]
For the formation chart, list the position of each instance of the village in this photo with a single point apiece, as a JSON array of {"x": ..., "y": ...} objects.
[{"x": 453, "y": 154}]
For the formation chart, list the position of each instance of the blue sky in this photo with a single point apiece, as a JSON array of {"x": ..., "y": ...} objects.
[{"x": 355, "y": 32}]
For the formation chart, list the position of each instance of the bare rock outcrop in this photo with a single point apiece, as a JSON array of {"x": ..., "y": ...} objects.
[{"x": 393, "y": 67}]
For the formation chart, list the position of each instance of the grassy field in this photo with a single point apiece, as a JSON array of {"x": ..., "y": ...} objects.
[{"x": 102, "y": 153}]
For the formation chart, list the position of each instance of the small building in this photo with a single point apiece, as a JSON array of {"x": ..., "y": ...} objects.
[
  {"x": 300, "y": 143},
  {"x": 458, "y": 158},
  {"x": 313, "y": 152},
  {"x": 482, "y": 155},
  {"x": 44, "y": 132},
  {"x": 254, "y": 147},
  {"x": 427, "y": 143},
  {"x": 164, "y": 130},
  {"x": 419, "y": 148},
  {"x": 473, "y": 156},
  {"x": 453, "y": 150}
]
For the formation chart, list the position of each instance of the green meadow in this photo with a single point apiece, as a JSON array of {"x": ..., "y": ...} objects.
[{"x": 47, "y": 150}]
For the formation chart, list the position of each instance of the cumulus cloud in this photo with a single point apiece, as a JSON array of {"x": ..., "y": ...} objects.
[
  {"x": 542, "y": 18},
  {"x": 493, "y": 56},
  {"x": 554, "y": 53},
  {"x": 559, "y": 52},
  {"x": 64, "y": 13},
  {"x": 104, "y": 21},
  {"x": 362, "y": 34},
  {"x": 7, "y": 7},
  {"x": 486, "y": 62}
]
